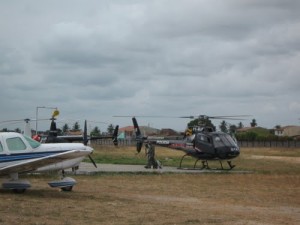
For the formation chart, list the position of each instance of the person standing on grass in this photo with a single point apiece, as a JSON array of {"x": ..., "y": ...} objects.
[{"x": 150, "y": 153}]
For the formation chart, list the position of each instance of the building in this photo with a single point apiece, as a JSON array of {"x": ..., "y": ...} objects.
[
  {"x": 129, "y": 132},
  {"x": 291, "y": 131},
  {"x": 286, "y": 131}
]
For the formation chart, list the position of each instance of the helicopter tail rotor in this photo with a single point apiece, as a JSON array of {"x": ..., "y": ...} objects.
[
  {"x": 115, "y": 135},
  {"x": 139, "y": 137}
]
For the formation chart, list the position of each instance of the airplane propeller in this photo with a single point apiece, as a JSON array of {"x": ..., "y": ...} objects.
[
  {"x": 90, "y": 157},
  {"x": 85, "y": 142},
  {"x": 85, "y": 139}
]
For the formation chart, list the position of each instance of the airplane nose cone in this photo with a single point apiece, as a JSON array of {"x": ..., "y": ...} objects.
[{"x": 90, "y": 149}]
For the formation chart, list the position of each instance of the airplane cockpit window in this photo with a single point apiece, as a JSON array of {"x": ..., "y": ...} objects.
[
  {"x": 33, "y": 143},
  {"x": 15, "y": 144},
  {"x": 1, "y": 148}
]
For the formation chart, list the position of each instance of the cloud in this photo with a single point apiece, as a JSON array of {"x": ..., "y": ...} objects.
[
  {"x": 295, "y": 107},
  {"x": 169, "y": 57}
]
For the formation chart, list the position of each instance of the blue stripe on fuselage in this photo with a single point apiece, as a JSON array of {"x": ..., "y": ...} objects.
[{"x": 25, "y": 156}]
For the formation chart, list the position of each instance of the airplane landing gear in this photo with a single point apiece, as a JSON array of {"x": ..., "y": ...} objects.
[
  {"x": 17, "y": 186},
  {"x": 65, "y": 184}
]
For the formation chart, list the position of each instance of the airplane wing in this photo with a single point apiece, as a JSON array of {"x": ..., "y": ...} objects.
[{"x": 34, "y": 164}]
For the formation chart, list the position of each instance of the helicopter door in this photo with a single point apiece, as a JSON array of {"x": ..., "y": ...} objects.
[{"x": 204, "y": 143}]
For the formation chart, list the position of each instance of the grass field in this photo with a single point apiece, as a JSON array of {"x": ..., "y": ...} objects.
[{"x": 268, "y": 195}]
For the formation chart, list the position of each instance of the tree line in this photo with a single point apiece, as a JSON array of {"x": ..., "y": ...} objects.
[
  {"x": 94, "y": 132},
  {"x": 256, "y": 134},
  {"x": 75, "y": 127}
]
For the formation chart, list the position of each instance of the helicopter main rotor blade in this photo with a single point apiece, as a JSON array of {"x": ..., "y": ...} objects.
[
  {"x": 229, "y": 116},
  {"x": 234, "y": 117},
  {"x": 188, "y": 117},
  {"x": 150, "y": 116},
  {"x": 22, "y": 120}
]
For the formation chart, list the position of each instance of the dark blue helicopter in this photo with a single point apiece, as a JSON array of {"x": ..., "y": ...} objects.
[{"x": 202, "y": 143}]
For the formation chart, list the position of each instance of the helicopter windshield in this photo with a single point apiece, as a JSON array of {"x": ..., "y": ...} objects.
[{"x": 223, "y": 140}]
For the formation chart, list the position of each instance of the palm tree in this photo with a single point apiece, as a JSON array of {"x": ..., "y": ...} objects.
[
  {"x": 253, "y": 123},
  {"x": 223, "y": 126}
]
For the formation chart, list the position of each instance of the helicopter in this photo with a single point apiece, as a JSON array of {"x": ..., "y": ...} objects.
[
  {"x": 200, "y": 142},
  {"x": 53, "y": 136}
]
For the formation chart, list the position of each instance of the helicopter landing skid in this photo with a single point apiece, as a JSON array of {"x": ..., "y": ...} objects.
[
  {"x": 181, "y": 161},
  {"x": 229, "y": 164},
  {"x": 205, "y": 164}
]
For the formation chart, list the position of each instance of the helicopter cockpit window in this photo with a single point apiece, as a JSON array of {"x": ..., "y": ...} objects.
[
  {"x": 218, "y": 142},
  {"x": 1, "y": 148},
  {"x": 229, "y": 140},
  {"x": 224, "y": 140},
  {"x": 203, "y": 138}
]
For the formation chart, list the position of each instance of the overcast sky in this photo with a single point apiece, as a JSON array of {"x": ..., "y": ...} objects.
[{"x": 94, "y": 59}]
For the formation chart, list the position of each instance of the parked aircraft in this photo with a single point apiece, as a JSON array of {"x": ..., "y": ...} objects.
[
  {"x": 21, "y": 154},
  {"x": 53, "y": 137},
  {"x": 202, "y": 143}
]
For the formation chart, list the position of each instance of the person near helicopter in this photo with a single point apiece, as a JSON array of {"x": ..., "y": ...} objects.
[{"x": 150, "y": 153}]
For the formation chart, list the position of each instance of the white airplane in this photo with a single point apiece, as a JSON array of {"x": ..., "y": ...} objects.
[{"x": 21, "y": 154}]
